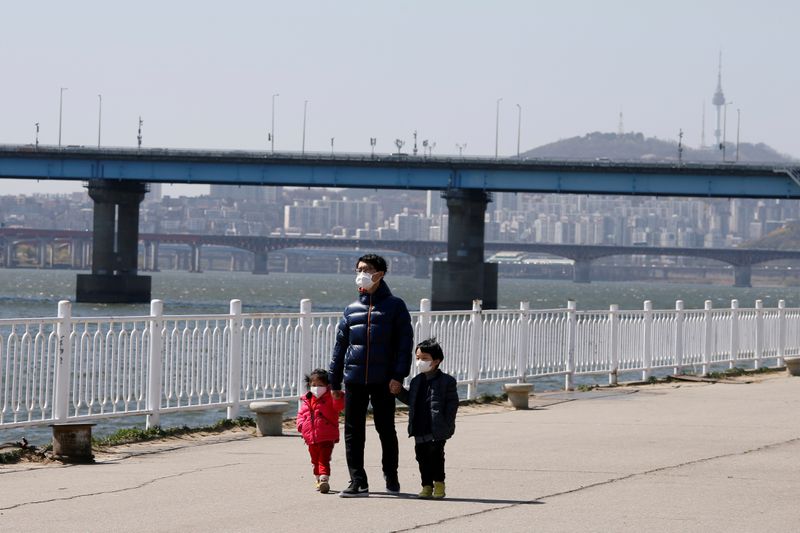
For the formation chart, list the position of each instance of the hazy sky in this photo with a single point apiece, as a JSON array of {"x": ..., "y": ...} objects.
[{"x": 202, "y": 74}]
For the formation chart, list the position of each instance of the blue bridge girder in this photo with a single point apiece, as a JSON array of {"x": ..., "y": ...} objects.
[{"x": 236, "y": 167}]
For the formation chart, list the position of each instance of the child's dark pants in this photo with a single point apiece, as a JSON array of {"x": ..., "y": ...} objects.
[{"x": 430, "y": 456}]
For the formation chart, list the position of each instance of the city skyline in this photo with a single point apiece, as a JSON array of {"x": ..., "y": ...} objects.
[{"x": 209, "y": 77}]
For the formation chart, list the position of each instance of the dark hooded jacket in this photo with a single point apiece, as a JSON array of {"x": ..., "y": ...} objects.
[{"x": 374, "y": 340}]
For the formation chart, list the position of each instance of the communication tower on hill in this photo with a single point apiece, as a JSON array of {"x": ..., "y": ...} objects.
[{"x": 719, "y": 102}]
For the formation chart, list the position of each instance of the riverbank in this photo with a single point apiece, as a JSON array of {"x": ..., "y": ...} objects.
[{"x": 688, "y": 456}]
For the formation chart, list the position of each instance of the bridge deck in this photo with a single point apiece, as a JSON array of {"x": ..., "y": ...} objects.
[{"x": 399, "y": 171}]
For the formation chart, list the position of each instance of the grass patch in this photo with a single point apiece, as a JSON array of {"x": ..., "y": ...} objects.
[
  {"x": 9, "y": 458},
  {"x": 739, "y": 371},
  {"x": 131, "y": 435}
]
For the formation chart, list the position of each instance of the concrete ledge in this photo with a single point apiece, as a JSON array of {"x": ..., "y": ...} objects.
[
  {"x": 518, "y": 394},
  {"x": 269, "y": 417},
  {"x": 792, "y": 365}
]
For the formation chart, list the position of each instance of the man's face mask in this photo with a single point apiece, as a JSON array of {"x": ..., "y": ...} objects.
[{"x": 364, "y": 280}]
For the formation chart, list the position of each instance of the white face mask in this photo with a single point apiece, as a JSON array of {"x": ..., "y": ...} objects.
[
  {"x": 424, "y": 366},
  {"x": 364, "y": 280},
  {"x": 318, "y": 391}
]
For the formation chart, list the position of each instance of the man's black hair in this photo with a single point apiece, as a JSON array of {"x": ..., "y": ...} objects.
[
  {"x": 375, "y": 261},
  {"x": 320, "y": 373},
  {"x": 431, "y": 347}
]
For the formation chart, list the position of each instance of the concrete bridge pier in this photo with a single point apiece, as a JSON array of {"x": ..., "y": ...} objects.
[
  {"x": 422, "y": 267},
  {"x": 114, "y": 277},
  {"x": 742, "y": 275},
  {"x": 194, "y": 257},
  {"x": 465, "y": 276},
  {"x": 582, "y": 271},
  {"x": 260, "y": 265},
  {"x": 150, "y": 256}
]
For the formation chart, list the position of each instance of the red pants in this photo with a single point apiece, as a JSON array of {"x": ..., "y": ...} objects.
[{"x": 321, "y": 457}]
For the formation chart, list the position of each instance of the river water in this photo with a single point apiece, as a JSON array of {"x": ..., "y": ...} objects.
[{"x": 35, "y": 293}]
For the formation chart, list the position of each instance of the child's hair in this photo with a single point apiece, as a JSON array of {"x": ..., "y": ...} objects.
[
  {"x": 430, "y": 346},
  {"x": 320, "y": 373}
]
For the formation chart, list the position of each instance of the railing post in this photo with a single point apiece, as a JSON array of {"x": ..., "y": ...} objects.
[
  {"x": 678, "y": 337},
  {"x": 572, "y": 332},
  {"x": 155, "y": 363},
  {"x": 64, "y": 363},
  {"x": 647, "y": 340},
  {"x": 424, "y": 319},
  {"x": 524, "y": 340},
  {"x": 734, "y": 332},
  {"x": 234, "y": 359},
  {"x": 781, "y": 332},
  {"x": 708, "y": 338},
  {"x": 476, "y": 329},
  {"x": 613, "y": 343},
  {"x": 304, "y": 366},
  {"x": 759, "y": 334}
]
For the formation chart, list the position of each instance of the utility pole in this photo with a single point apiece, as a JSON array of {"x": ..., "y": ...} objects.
[
  {"x": 139, "y": 137},
  {"x": 36, "y": 139},
  {"x": 519, "y": 126}
]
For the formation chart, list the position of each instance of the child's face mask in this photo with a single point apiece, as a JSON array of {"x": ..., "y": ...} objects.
[
  {"x": 423, "y": 365},
  {"x": 318, "y": 391}
]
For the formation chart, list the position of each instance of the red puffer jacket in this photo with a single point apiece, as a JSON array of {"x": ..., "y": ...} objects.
[{"x": 318, "y": 419}]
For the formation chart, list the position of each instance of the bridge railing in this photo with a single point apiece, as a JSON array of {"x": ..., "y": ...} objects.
[{"x": 65, "y": 369}]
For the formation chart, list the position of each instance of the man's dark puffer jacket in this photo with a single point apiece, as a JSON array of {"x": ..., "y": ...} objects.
[
  {"x": 443, "y": 403},
  {"x": 374, "y": 340}
]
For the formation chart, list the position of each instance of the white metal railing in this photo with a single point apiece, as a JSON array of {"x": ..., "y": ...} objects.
[{"x": 64, "y": 369}]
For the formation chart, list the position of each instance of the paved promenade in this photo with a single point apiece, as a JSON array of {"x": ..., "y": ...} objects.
[{"x": 669, "y": 457}]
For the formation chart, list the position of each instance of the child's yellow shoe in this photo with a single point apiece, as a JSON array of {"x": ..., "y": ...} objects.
[
  {"x": 316, "y": 484},
  {"x": 438, "y": 490},
  {"x": 426, "y": 492}
]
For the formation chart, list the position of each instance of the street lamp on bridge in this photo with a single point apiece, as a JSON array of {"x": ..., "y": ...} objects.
[
  {"x": 272, "y": 128},
  {"x": 60, "y": 109},
  {"x": 497, "y": 127}
]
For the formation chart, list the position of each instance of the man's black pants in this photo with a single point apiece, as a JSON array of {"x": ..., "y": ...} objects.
[
  {"x": 357, "y": 399},
  {"x": 430, "y": 456}
]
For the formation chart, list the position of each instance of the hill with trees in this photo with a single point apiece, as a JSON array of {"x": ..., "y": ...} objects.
[{"x": 637, "y": 147}]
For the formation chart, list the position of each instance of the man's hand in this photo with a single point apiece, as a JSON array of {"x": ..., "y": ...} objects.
[
  {"x": 337, "y": 394},
  {"x": 395, "y": 386}
]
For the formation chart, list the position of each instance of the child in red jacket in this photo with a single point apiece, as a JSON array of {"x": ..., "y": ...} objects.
[{"x": 318, "y": 422}]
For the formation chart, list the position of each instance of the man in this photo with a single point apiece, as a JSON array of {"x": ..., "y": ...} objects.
[{"x": 372, "y": 355}]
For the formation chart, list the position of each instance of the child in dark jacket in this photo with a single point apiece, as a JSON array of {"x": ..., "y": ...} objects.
[
  {"x": 432, "y": 399},
  {"x": 318, "y": 422}
]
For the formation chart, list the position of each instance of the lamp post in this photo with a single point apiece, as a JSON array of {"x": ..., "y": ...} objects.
[
  {"x": 461, "y": 148},
  {"x": 36, "y": 139},
  {"x": 305, "y": 109},
  {"x": 372, "y": 142},
  {"x": 497, "y": 127},
  {"x": 272, "y": 128},
  {"x": 99, "y": 117},
  {"x": 60, "y": 108},
  {"x": 519, "y": 126},
  {"x": 738, "y": 123},
  {"x": 725, "y": 128},
  {"x": 332, "y": 138},
  {"x": 139, "y": 136}
]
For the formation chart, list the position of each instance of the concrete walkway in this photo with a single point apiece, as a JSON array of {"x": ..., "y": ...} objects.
[{"x": 670, "y": 457}]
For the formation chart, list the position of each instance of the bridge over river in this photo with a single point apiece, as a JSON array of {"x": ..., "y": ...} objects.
[
  {"x": 742, "y": 259},
  {"x": 117, "y": 182}
]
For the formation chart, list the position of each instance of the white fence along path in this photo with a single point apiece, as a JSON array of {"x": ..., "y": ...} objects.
[{"x": 69, "y": 369}]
